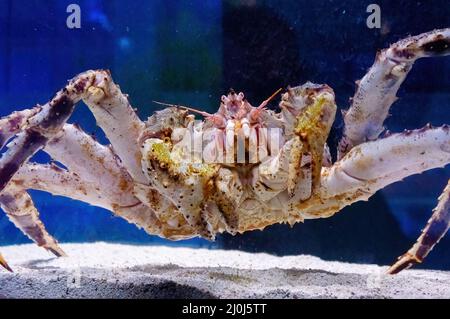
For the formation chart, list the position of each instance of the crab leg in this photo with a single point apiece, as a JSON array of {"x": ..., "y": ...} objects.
[
  {"x": 436, "y": 228},
  {"x": 96, "y": 174},
  {"x": 110, "y": 107},
  {"x": 96, "y": 165},
  {"x": 18, "y": 205},
  {"x": 377, "y": 90},
  {"x": 59, "y": 182},
  {"x": 52, "y": 179},
  {"x": 371, "y": 166},
  {"x": 93, "y": 163},
  {"x": 14, "y": 123},
  {"x": 309, "y": 111},
  {"x": 4, "y": 264},
  {"x": 41, "y": 128},
  {"x": 119, "y": 121},
  {"x": 20, "y": 209},
  {"x": 95, "y": 177},
  {"x": 49, "y": 178}
]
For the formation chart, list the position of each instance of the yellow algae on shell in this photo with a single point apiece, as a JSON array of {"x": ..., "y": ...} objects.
[
  {"x": 161, "y": 152},
  {"x": 314, "y": 119},
  {"x": 313, "y": 127},
  {"x": 175, "y": 161}
]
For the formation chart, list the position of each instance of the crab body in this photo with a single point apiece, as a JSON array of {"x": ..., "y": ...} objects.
[
  {"x": 240, "y": 169},
  {"x": 253, "y": 164}
]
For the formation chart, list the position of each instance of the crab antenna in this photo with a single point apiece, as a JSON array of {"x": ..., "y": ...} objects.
[
  {"x": 263, "y": 104},
  {"x": 205, "y": 114}
]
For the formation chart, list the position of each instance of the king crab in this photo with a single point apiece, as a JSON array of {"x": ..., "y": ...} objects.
[{"x": 151, "y": 177}]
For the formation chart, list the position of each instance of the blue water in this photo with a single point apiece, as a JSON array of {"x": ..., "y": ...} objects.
[{"x": 192, "y": 52}]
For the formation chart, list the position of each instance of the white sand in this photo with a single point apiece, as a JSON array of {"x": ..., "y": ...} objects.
[{"x": 103, "y": 270}]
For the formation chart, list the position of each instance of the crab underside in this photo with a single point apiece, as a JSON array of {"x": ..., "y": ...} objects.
[{"x": 240, "y": 169}]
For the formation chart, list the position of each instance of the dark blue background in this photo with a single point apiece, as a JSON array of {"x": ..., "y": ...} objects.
[{"x": 192, "y": 52}]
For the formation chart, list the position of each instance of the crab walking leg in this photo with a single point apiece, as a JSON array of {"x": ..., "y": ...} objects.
[
  {"x": 14, "y": 123},
  {"x": 52, "y": 179},
  {"x": 374, "y": 165},
  {"x": 371, "y": 166},
  {"x": 4, "y": 264},
  {"x": 42, "y": 127},
  {"x": 93, "y": 163},
  {"x": 20, "y": 209},
  {"x": 119, "y": 121},
  {"x": 96, "y": 88},
  {"x": 18, "y": 205},
  {"x": 377, "y": 90},
  {"x": 436, "y": 228},
  {"x": 91, "y": 167},
  {"x": 59, "y": 182},
  {"x": 96, "y": 164}
]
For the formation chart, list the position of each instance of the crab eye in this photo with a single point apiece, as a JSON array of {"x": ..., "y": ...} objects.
[
  {"x": 241, "y": 96},
  {"x": 224, "y": 99}
]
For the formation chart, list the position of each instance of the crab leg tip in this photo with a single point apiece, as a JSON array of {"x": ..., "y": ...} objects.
[
  {"x": 404, "y": 262},
  {"x": 4, "y": 264},
  {"x": 57, "y": 251}
]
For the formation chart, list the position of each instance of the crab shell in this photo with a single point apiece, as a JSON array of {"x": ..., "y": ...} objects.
[{"x": 230, "y": 177}]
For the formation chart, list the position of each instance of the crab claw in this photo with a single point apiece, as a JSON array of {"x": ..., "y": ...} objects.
[{"x": 4, "y": 264}]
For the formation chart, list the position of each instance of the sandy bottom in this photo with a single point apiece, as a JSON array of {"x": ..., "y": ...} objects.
[{"x": 103, "y": 270}]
